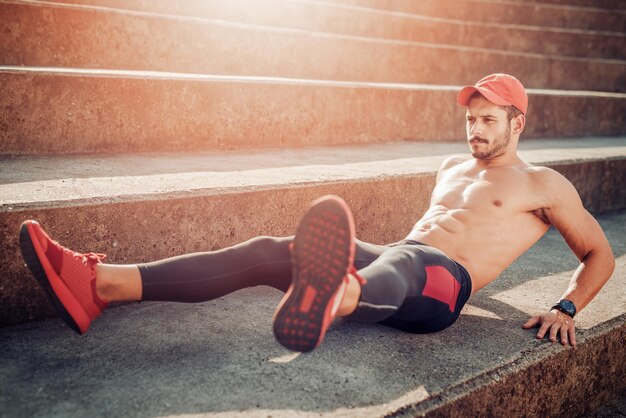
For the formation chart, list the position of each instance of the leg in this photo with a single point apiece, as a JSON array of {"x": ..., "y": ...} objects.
[
  {"x": 265, "y": 261},
  {"x": 325, "y": 281},
  {"x": 204, "y": 276},
  {"x": 415, "y": 288},
  {"x": 118, "y": 283},
  {"x": 74, "y": 282},
  {"x": 200, "y": 276},
  {"x": 365, "y": 254},
  {"x": 323, "y": 254},
  {"x": 80, "y": 286},
  {"x": 390, "y": 279}
]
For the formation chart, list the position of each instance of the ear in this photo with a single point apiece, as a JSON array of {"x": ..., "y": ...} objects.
[{"x": 518, "y": 124}]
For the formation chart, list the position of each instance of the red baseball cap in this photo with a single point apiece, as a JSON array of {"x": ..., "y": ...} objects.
[{"x": 501, "y": 89}]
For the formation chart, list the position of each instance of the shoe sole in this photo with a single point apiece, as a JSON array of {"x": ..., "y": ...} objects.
[
  {"x": 323, "y": 251},
  {"x": 29, "y": 253}
]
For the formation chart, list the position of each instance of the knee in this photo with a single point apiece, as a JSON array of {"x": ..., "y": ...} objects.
[
  {"x": 272, "y": 260},
  {"x": 265, "y": 248}
]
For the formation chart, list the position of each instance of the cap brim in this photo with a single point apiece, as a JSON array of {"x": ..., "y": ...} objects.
[{"x": 466, "y": 92}]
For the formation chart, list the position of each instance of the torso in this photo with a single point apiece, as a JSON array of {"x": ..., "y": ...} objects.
[{"x": 483, "y": 218}]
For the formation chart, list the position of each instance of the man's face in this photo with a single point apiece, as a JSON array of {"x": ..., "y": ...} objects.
[{"x": 488, "y": 128}]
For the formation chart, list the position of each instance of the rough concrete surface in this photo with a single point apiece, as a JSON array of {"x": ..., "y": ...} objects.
[
  {"x": 362, "y": 21},
  {"x": 79, "y": 37},
  {"x": 605, "y": 4},
  {"x": 615, "y": 408},
  {"x": 562, "y": 16},
  {"x": 89, "y": 111},
  {"x": 219, "y": 359},
  {"x": 484, "y": 11}
]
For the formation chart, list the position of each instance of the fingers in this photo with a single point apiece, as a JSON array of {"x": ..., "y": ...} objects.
[
  {"x": 568, "y": 332},
  {"x": 563, "y": 331},
  {"x": 572, "y": 334},
  {"x": 544, "y": 328},
  {"x": 558, "y": 326},
  {"x": 554, "y": 330},
  {"x": 532, "y": 322}
]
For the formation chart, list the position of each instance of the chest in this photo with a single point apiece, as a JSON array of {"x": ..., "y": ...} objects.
[{"x": 498, "y": 190}]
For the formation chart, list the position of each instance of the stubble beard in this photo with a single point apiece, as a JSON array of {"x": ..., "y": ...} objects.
[{"x": 498, "y": 148}]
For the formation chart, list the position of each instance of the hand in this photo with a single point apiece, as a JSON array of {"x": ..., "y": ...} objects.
[{"x": 558, "y": 323}]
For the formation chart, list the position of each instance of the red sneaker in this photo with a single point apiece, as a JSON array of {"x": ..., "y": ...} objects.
[
  {"x": 322, "y": 254},
  {"x": 69, "y": 278}
]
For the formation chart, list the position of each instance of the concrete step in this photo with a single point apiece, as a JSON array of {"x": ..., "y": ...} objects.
[
  {"x": 593, "y": 4},
  {"x": 148, "y": 206},
  {"x": 219, "y": 358},
  {"x": 362, "y": 21},
  {"x": 507, "y": 12},
  {"x": 100, "y": 111},
  {"x": 137, "y": 41},
  {"x": 490, "y": 11}
]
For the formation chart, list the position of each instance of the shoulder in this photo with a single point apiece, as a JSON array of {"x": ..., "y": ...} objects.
[
  {"x": 554, "y": 188},
  {"x": 546, "y": 178},
  {"x": 563, "y": 208},
  {"x": 452, "y": 161}
]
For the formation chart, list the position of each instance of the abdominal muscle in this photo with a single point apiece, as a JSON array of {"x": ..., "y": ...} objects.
[{"x": 483, "y": 241}]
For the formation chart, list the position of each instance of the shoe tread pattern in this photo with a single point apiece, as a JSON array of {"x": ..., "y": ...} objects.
[{"x": 321, "y": 256}]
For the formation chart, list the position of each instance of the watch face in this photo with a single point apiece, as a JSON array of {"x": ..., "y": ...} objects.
[{"x": 568, "y": 306}]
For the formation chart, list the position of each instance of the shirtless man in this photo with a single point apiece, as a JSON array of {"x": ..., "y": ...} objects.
[{"x": 486, "y": 210}]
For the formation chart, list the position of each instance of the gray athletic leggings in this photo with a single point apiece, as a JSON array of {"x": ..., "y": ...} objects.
[{"x": 410, "y": 286}]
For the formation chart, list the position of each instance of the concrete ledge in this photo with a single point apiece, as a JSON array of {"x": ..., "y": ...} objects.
[
  {"x": 148, "y": 217},
  {"x": 29, "y": 190},
  {"x": 52, "y": 36},
  {"x": 134, "y": 22},
  {"x": 89, "y": 111},
  {"x": 541, "y": 382}
]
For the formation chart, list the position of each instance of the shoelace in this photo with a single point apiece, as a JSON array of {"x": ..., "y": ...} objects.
[{"x": 90, "y": 258}]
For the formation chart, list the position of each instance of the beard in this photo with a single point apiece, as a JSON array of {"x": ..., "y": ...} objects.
[{"x": 499, "y": 145}]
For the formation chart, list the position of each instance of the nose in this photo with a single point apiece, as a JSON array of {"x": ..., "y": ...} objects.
[{"x": 475, "y": 129}]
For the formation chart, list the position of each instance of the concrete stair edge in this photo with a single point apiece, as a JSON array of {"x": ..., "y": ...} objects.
[
  {"x": 555, "y": 373},
  {"x": 81, "y": 190}
]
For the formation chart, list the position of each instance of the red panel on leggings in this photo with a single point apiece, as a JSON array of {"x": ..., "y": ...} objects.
[{"x": 441, "y": 285}]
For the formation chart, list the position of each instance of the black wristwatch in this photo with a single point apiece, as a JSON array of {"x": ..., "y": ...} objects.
[{"x": 566, "y": 306}]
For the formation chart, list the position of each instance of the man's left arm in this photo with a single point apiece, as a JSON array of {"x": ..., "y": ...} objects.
[{"x": 565, "y": 211}]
